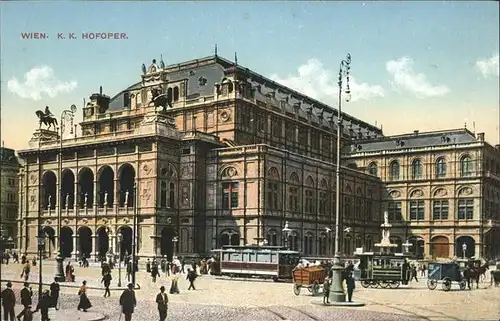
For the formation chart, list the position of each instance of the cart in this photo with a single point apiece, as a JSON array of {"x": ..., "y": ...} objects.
[
  {"x": 311, "y": 277},
  {"x": 446, "y": 273}
]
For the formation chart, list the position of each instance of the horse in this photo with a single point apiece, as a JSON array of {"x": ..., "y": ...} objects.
[
  {"x": 47, "y": 120},
  {"x": 482, "y": 271},
  {"x": 473, "y": 273},
  {"x": 160, "y": 100}
]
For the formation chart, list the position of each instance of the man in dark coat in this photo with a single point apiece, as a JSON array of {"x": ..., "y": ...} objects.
[
  {"x": 128, "y": 302},
  {"x": 191, "y": 276},
  {"x": 8, "y": 302},
  {"x": 351, "y": 285},
  {"x": 162, "y": 300},
  {"x": 54, "y": 293},
  {"x": 26, "y": 301},
  {"x": 106, "y": 279},
  {"x": 154, "y": 272},
  {"x": 44, "y": 305}
]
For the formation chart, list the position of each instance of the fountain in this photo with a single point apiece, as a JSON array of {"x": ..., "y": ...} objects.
[{"x": 385, "y": 244}]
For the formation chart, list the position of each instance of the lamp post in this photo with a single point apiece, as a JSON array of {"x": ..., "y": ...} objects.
[
  {"x": 66, "y": 115},
  {"x": 464, "y": 248},
  {"x": 406, "y": 246},
  {"x": 120, "y": 238},
  {"x": 41, "y": 248},
  {"x": 175, "y": 240},
  {"x": 336, "y": 290},
  {"x": 286, "y": 232},
  {"x": 134, "y": 236}
]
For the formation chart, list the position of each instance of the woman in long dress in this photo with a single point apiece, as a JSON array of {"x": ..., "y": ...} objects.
[{"x": 84, "y": 303}]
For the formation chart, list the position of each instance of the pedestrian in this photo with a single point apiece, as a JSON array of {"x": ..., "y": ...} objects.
[
  {"x": 43, "y": 306},
  {"x": 162, "y": 300},
  {"x": 154, "y": 272},
  {"x": 106, "y": 279},
  {"x": 413, "y": 273},
  {"x": 424, "y": 268},
  {"x": 183, "y": 262},
  {"x": 129, "y": 270},
  {"x": 351, "y": 285},
  {"x": 54, "y": 293},
  {"x": 26, "y": 301},
  {"x": 191, "y": 276},
  {"x": 128, "y": 302},
  {"x": 326, "y": 291},
  {"x": 148, "y": 266},
  {"x": 15, "y": 256},
  {"x": 174, "y": 288},
  {"x": 8, "y": 302},
  {"x": 167, "y": 267},
  {"x": 70, "y": 272},
  {"x": 84, "y": 303},
  {"x": 26, "y": 271},
  {"x": 27, "y": 314}
]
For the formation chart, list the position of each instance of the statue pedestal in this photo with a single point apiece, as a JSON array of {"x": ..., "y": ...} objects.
[
  {"x": 41, "y": 136},
  {"x": 159, "y": 123},
  {"x": 59, "y": 276}
]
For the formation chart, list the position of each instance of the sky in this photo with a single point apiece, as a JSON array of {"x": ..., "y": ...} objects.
[{"x": 415, "y": 65}]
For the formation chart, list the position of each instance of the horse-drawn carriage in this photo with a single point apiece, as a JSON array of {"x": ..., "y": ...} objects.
[
  {"x": 446, "y": 273},
  {"x": 382, "y": 270},
  {"x": 311, "y": 277}
]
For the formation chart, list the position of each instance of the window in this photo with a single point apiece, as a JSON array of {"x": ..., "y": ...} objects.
[
  {"x": 465, "y": 209},
  {"x": 322, "y": 244},
  {"x": 394, "y": 211},
  {"x": 315, "y": 139},
  {"x": 372, "y": 169},
  {"x": 310, "y": 208},
  {"x": 171, "y": 198},
  {"x": 272, "y": 195},
  {"x": 466, "y": 166},
  {"x": 441, "y": 167},
  {"x": 417, "y": 210},
  {"x": 416, "y": 169},
  {"x": 308, "y": 244},
  {"x": 293, "y": 198},
  {"x": 276, "y": 128},
  {"x": 163, "y": 194},
  {"x": 113, "y": 126},
  {"x": 348, "y": 206},
  {"x": 394, "y": 171},
  {"x": 323, "y": 202},
  {"x": 303, "y": 136},
  {"x": 440, "y": 210},
  {"x": 229, "y": 195}
]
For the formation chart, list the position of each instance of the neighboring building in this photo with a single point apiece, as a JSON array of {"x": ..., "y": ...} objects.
[
  {"x": 442, "y": 190},
  {"x": 232, "y": 159},
  {"x": 9, "y": 170}
]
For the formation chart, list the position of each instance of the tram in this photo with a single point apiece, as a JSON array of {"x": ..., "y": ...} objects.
[
  {"x": 384, "y": 270},
  {"x": 266, "y": 262}
]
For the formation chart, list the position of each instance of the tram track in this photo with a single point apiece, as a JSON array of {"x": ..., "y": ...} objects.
[{"x": 283, "y": 317}]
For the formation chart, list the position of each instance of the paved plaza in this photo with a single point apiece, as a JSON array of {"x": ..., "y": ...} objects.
[{"x": 219, "y": 298}]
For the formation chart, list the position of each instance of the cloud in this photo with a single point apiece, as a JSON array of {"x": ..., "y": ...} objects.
[
  {"x": 405, "y": 78},
  {"x": 39, "y": 81},
  {"x": 488, "y": 67},
  {"x": 321, "y": 84}
]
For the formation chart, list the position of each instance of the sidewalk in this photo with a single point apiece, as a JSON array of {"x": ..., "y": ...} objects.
[{"x": 66, "y": 315}]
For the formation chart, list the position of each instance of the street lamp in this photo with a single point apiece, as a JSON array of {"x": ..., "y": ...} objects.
[
  {"x": 336, "y": 290},
  {"x": 464, "y": 248},
  {"x": 175, "y": 240},
  {"x": 120, "y": 238},
  {"x": 41, "y": 248},
  {"x": 406, "y": 246},
  {"x": 134, "y": 236},
  {"x": 286, "y": 232}
]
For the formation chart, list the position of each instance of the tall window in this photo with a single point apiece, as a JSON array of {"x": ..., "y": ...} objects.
[
  {"x": 466, "y": 209},
  {"x": 394, "y": 211},
  {"x": 171, "y": 195},
  {"x": 163, "y": 194},
  {"x": 309, "y": 201},
  {"x": 372, "y": 169},
  {"x": 394, "y": 171},
  {"x": 308, "y": 244},
  {"x": 272, "y": 195},
  {"x": 416, "y": 169},
  {"x": 466, "y": 166},
  {"x": 323, "y": 202},
  {"x": 348, "y": 206},
  {"x": 441, "y": 168},
  {"x": 417, "y": 211},
  {"x": 293, "y": 198},
  {"x": 440, "y": 210},
  {"x": 322, "y": 244},
  {"x": 229, "y": 195}
]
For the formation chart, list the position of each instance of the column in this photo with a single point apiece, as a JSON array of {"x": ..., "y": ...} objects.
[
  {"x": 76, "y": 200},
  {"x": 75, "y": 250},
  {"x": 96, "y": 195},
  {"x": 117, "y": 193}
]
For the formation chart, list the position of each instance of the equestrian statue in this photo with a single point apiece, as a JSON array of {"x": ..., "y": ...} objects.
[
  {"x": 160, "y": 99},
  {"x": 47, "y": 118}
]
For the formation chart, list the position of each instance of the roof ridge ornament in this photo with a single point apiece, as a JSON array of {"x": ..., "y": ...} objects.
[{"x": 162, "y": 63}]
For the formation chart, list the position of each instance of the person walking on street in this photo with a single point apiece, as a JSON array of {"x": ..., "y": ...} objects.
[
  {"x": 26, "y": 301},
  {"x": 84, "y": 303},
  {"x": 154, "y": 272},
  {"x": 128, "y": 302},
  {"x": 129, "y": 270},
  {"x": 106, "y": 279},
  {"x": 148, "y": 266},
  {"x": 326, "y": 291},
  {"x": 54, "y": 293},
  {"x": 191, "y": 276},
  {"x": 8, "y": 302},
  {"x": 162, "y": 300},
  {"x": 351, "y": 285},
  {"x": 413, "y": 273},
  {"x": 44, "y": 305},
  {"x": 424, "y": 268},
  {"x": 26, "y": 271}
]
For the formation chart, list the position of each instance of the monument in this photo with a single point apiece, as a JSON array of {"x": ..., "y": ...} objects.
[{"x": 385, "y": 244}]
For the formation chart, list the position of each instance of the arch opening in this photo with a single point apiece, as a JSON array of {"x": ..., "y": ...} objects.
[
  {"x": 84, "y": 241},
  {"x": 86, "y": 188},
  {"x": 66, "y": 241},
  {"x": 440, "y": 247},
  {"x": 167, "y": 244},
  {"x": 470, "y": 247},
  {"x": 126, "y": 181},
  {"x": 106, "y": 187},
  {"x": 50, "y": 234},
  {"x": 49, "y": 190},
  {"x": 126, "y": 243},
  {"x": 102, "y": 241},
  {"x": 68, "y": 189}
]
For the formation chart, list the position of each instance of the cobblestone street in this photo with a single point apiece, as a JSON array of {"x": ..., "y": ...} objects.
[{"x": 245, "y": 300}]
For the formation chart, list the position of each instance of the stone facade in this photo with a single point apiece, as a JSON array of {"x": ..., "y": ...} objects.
[
  {"x": 442, "y": 190},
  {"x": 9, "y": 171},
  {"x": 226, "y": 157}
]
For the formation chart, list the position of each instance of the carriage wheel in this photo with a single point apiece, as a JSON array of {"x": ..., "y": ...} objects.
[
  {"x": 394, "y": 284},
  {"x": 315, "y": 288},
  {"x": 275, "y": 278},
  {"x": 296, "y": 289},
  {"x": 374, "y": 284},
  {"x": 383, "y": 284},
  {"x": 446, "y": 284},
  {"x": 365, "y": 284},
  {"x": 432, "y": 284},
  {"x": 462, "y": 284}
]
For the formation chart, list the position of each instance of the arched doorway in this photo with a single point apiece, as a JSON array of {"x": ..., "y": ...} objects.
[
  {"x": 86, "y": 186},
  {"x": 126, "y": 245},
  {"x": 106, "y": 186},
  {"x": 417, "y": 247},
  {"x": 440, "y": 246},
  {"x": 49, "y": 190},
  {"x": 66, "y": 241},
  {"x": 469, "y": 242},
  {"x": 102, "y": 242},
  {"x": 68, "y": 189},
  {"x": 229, "y": 237},
  {"x": 167, "y": 244},
  {"x": 50, "y": 235},
  {"x": 126, "y": 179},
  {"x": 85, "y": 241}
]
